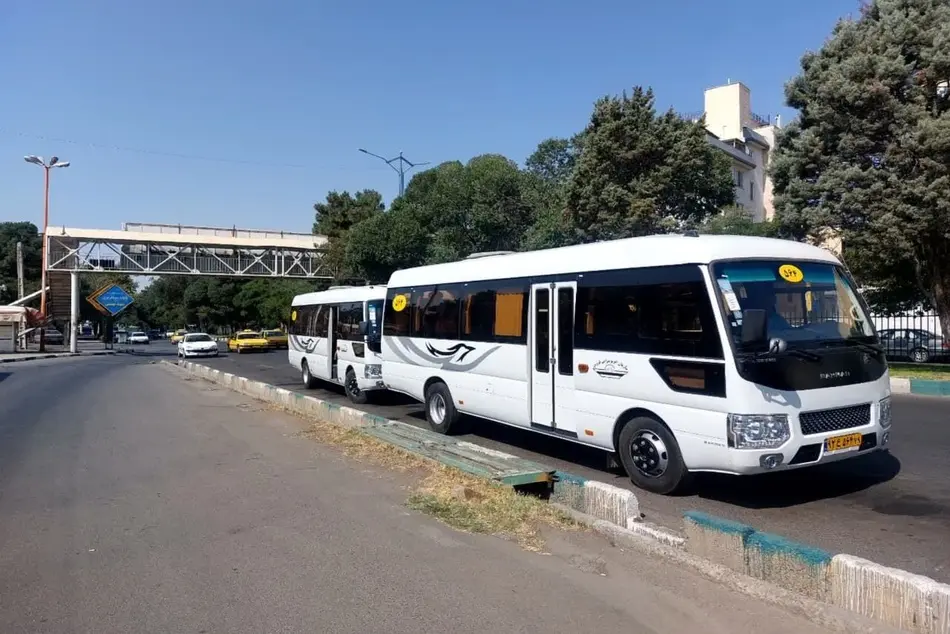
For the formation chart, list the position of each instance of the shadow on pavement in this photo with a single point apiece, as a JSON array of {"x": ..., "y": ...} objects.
[
  {"x": 4, "y": 375},
  {"x": 792, "y": 488},
  {"x": 778, "y": 490}
]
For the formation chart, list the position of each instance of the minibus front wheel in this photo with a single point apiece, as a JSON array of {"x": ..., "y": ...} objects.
[{"x": 651, "y": 456}]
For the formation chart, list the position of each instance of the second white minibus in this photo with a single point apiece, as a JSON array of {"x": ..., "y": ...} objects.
[
  {"x": 335, "y": 336},
  {"x": 680, "y": 353}
]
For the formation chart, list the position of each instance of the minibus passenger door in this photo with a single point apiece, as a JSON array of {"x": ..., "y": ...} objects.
[
  {"x": 542, "y": 357},
  {"x": 562, "y": 370},
  {"x": 331, "y": 341}
]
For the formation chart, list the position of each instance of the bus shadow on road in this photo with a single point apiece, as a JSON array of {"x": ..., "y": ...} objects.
[
  {"x": 801, "y": 486},
  {"x": 775, "y": 490}
]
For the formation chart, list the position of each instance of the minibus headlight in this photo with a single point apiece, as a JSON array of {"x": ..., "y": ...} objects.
[
  {"x": 372, "y": 371},
  {"x": 884, "y": 412},
  {"x": 757, "y": 431}
]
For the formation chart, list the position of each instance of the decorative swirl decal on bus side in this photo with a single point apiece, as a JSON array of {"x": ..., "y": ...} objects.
[
  {"x": 304, "y": 344},
  {"x": 450, "y": 352},
  {"x": 445, "y": 359}
]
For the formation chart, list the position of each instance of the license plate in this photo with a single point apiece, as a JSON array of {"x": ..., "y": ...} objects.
[{"x": 838, "y": 444}]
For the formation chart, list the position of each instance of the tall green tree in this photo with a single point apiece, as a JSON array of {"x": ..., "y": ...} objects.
[
  {"x": 736, "y": 221},
  {"x": 547, "y": 172},
  {"x": 553, "y": 161},
  {"x": 27, "y": 234},
  {"x": 641, "y": 173},
  {"x": 447, "y": 213},
  {"x": 334, "y": 219},
  {"x": 869, "y": 156}
]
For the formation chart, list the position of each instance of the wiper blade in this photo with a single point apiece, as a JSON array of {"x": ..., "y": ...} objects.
[
  {"x": 867, "y": 347},
  {"x": 803, "y": 354}
]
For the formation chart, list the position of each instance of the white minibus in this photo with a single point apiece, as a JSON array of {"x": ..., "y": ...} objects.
[
  {"x": 335, "y": 336},
  {"x": 680, "y": 353}
]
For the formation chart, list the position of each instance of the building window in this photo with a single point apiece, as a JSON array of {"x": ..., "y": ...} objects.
[
  {"x": 751, "y": 190},
  {"x": 738, "y": 179}
]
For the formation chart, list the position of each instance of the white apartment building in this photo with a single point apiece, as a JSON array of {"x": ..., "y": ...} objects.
[{"x": 748, "y": 139}]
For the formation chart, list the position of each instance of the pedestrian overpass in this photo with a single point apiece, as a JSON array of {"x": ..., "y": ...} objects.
[{"x": 164, "y": 249}]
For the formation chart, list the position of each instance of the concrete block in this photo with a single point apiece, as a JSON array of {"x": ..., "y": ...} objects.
[
  {"x": 913, "y": 603},
  {"x": 900, "y": 386},
  {"x": 716, "y": 539},
  {"x": 610, "y": 503},
  {"x": 569, "y": 491},
  {"x": 796, "y": 567}
]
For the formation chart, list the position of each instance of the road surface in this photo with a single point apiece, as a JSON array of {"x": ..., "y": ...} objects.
[
  {"x": 132, "y": 500},
  {"x": 893, "y": 508}
]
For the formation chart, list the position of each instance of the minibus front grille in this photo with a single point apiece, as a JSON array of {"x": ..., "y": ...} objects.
[{"x": 826, "y": 420}]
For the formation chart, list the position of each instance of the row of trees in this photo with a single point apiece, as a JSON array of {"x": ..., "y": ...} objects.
[{"x": 868, "y": 160}]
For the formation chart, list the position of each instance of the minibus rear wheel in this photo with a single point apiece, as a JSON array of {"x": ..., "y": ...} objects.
[{"x": 651, "y": 456}]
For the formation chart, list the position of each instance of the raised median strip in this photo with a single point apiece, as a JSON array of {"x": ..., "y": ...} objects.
[
  {"x": 921, "y": 387},
  {"x": 766, "y": 566},
  {"x": 16, "y": 357}
]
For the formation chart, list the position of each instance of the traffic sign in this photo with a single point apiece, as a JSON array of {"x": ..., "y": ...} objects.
[
  {"x": 92, "y": 299},
  {"x": 113, "y": 299}
]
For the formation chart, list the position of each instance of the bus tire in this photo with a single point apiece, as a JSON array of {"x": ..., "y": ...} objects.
[
  {"x": 308, "y": 381},
  {"x": 352, "y": 388},
  {"x": 440, "y": 409},
  {"x": 651, "y": 456}
]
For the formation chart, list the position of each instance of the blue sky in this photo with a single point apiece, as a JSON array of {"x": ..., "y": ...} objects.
[{"x": 247, "y": 112}]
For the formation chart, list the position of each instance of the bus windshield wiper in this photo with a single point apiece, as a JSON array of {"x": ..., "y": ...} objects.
[
  {"x": 867, "y": 347},
  {"x": 803, "y": 354}
]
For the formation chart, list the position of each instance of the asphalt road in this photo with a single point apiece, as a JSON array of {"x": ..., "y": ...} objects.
[
  {"x": 132, "y": 500},
  {"x": 893, "y": 508}
]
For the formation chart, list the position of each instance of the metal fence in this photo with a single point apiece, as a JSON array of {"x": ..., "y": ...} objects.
[{"x": 927, "y": 321}]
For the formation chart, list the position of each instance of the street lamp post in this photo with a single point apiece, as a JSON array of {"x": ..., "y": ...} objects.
[
  {"x": 401, "y": 170},
  {"x": 53, "y": 162}
]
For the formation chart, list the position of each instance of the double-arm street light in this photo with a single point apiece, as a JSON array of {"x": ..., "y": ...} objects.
[
  {"x": 401, "y": 170},
  {"x": 53, "y": 162}
]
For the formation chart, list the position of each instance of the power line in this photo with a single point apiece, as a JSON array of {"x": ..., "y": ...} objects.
[{"x": 178, "y": 155}]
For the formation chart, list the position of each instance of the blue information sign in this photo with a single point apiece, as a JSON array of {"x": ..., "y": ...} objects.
[{"x": 114, "y": 299}]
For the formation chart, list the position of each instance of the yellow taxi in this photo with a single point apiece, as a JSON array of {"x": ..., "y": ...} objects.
[
  {"x": 248, "y": 341},
  {"x": 277, "y": 338},
  {"x": 179, "y": 335}
]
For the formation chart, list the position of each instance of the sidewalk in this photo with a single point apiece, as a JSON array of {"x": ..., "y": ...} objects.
[{"x": 33, "y": 355}]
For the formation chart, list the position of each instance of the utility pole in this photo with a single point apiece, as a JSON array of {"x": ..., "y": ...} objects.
[
  {"x": 401, "y": 170},
  {"x": 19, "y": 270}
]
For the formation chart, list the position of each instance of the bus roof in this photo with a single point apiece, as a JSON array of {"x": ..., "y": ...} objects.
[
  {"x": 661, "y": 250},
  {"x": 341, "y": 295}
]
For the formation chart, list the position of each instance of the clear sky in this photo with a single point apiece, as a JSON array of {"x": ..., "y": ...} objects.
[{"x": 247, "y": 112}]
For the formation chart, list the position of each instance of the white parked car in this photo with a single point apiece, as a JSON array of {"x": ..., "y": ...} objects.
[
  {"x": 138, "y": 337},
  {"x": 197, "y": 344}
]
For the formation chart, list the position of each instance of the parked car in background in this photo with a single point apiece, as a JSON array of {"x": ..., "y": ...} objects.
[
  {"x": 248, "y": 341},
  {"x": 52, "y": 336},
  {"x": 138, "y": 337},
  {"x": 197, "y": 344},
  {"x": 277, "y": 338},
  {"x": 920, "y": 346}
]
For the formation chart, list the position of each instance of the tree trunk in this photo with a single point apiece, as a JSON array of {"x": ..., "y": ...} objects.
[{"x": 941, "y": 293}]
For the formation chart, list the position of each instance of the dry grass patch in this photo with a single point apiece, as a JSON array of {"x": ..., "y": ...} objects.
[{"x": 456, "y": 498}]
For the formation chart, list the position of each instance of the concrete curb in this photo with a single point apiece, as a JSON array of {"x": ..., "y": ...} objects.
[
  {"x": 825, "y": 586},
  {"x": 920, "y": 387},
  {"x": 56, "y": 355}
]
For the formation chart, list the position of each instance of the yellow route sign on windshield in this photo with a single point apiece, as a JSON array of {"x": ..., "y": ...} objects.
[
  {"x": 399, "y": 303},
  {"x": 791, "y": 273}
]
